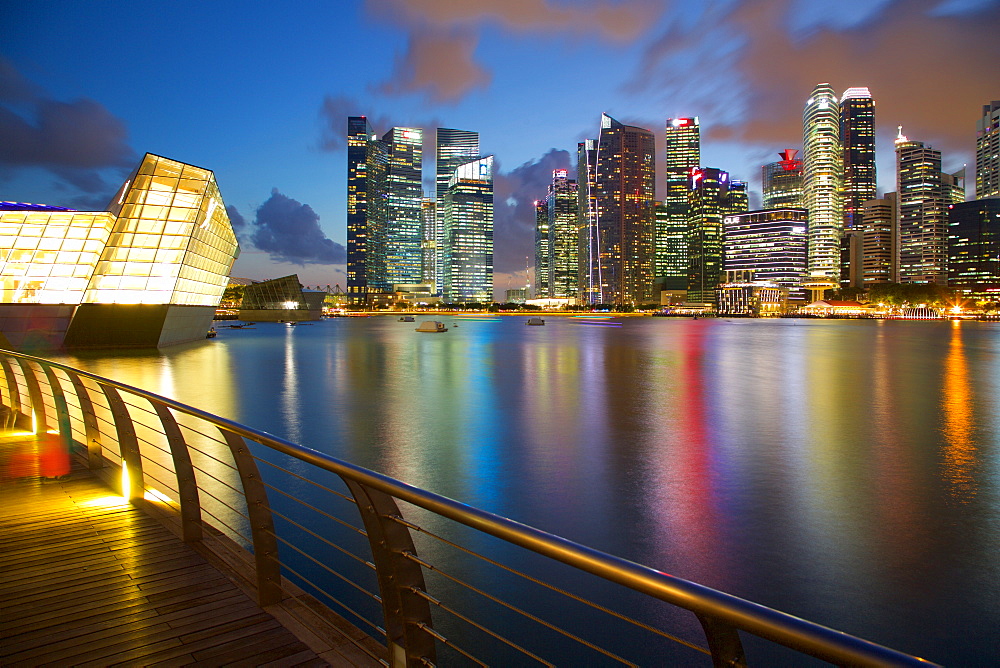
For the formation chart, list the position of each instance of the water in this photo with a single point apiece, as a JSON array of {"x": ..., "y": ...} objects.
[{"x": 842, "y": 471}]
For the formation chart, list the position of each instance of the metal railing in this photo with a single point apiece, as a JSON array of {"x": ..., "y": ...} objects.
[{"x": 297, "y": 511}]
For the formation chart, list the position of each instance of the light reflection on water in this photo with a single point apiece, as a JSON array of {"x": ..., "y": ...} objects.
[{"x": 843, "y": 471}]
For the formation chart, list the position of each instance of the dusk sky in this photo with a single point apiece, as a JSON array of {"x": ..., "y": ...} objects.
[{"x": 260, "y": 94}]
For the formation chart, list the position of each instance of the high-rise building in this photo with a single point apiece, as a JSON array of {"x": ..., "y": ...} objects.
[
  {"x": 429, "y": 243},
  {"x": 822, "y": 183},
  {"x": 683, "y": 154},
  {"x": 671, "y": 249},
  {"x": 468, "y": 233},
  {"x": 543, "y": 249},
  {"x": 771, "y": 244},
  {"x": 988, "y": 151},
  {"x": 923, "y": 214},
  {"x": 586, "y": 221},
  {"x": 624, "y": 227},
  {"x": 974, "y": 249},
  {"x": 878, "y": 241},
  {"x": 367, "y": 160},
  {"x": 857, "y": 134},
  {"x": 713, "y": 196},
  {"x": 453, "y": 148},
  {"x": 782, "y": 181},
  {"x": 561, "y": 208},
  {"x": 404, "y": 191}
]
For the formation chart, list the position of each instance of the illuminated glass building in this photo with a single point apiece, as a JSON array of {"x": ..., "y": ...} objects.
[
  {"x": 148, "y": 271},
  {"x": 561, "y": 208},
  {"x": 772, "y": 244},
  {"x": 878, "y": 241},
  {"x": 468, "y": 233},
  {"x": 404, "y": 192},
  {"x": 988, "y": 152},
  {"x": 713, "y": 196},
  {"x": 429, "y": 244},
  {"x": 281, "y": 300},
  {"x": 586, "y": 222},
  {"x": 624, "y": 235},
  {"x": 453, "y": 148},
  {"x": 974, "y": 248},
  {"x": 923, "y": 213},
  {"x": 367, "y": 160},
  {"x": 857, "y": 134},
  {"x": 822, "y": 182},
  {"x": 683, "y": 154},
  {"x": 782, "y": 181},
  {"x": 543, "y": 248}
]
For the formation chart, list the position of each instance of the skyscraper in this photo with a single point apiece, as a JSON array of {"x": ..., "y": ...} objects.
[
  {"x": 622, "y": 259},
  {"x": 974, "y": 248},
  {"x": 923, "y": 213},
  {"x": 561, "y": 209},
  {"x": 367, "y": 159},
  {"x": 782, "y": 181},
  {"x": 988, "y": 151},
  {"x": 586, "y": 221},
  {"x": 822, "y": 182},
  {"x": 429, "y": 243},
  {"x": 878, "y": 241},
  {"x": 543, "y": 249},
  {"x": 771, "y": 244},
  {"x": 468, "y": 233},
  {"x": 683, "y": 154},
  {"x": 857, "y": 133},
  {"x": 671, "y": 249},
  {"x": 453, "y": 148},
  {"x": 713, "y": 196},
  {"x": 404, "y": 191}
]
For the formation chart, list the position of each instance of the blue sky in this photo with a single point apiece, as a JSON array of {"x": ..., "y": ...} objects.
[{"x": 259, "y": 93}]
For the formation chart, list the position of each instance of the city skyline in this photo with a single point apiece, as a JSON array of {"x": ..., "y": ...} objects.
[{"x": 265, "y": 106}]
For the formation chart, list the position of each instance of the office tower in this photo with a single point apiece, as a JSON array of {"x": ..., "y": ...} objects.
[
  {"x": 923, "y": 215},
  {"x": 683, "y": 154},
  {"x": 857, "y": 134},
  {"x": 782, "y": 181},
  {"x": 543, "y": 249},
  {"x": 561, "y": 208},
  {"x": 772, "y": 244},
  {"x": 671, "y": 248},
  {"x": 974, "y": 249},
  {"x": 586, "y": 221},
  {"x": 429, "y": 243},
  {"x": 877, "y": 241},
  {"x": 453, "y": 148},
  {"x": 468, "y": 233},
  {"x": 624, "y": 227},
  {"x": 404, "y": 193},
  {"x": 713, "y": 196},
  {"x": 822, "y": 182},
  {"x": 367, "y": 159},
  {"x": 988, "y": 151},
  {"x": 954, "y": 186}
]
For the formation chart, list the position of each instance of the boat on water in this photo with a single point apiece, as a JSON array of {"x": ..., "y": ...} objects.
[
  {"x": 535, "y": 322},
  {"x": 432, "y": 326},
  {"x": 211, "y": 333},
  {"x": 406, "y": 318}
]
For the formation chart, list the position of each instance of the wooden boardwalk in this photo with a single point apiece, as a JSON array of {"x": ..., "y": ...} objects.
[{"x": 88, "y": 579}]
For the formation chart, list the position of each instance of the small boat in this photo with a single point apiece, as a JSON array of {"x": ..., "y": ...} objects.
[
  {"x": 535, "y": 321},
  {"x": 406, "y": 318},
  {"x": 432, "y": 326},
  {"x": 211, "y": 333}
]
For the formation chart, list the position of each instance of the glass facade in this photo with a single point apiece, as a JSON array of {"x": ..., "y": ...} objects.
[
  {"x": 404, "y": 191},
  {"x": 974, "y": 248},
  {"x": 771, "y": 244},
  {"x": 988, "y": 151},
  {"x": 857, "y": 133},
  {"x": 586, "y": 221},
  {"x": 278, "y": 294},
  {"x": 468, "y": 233},
  {"x": 878, "y": 241},
  {"x": 543, "y": 249},
  {"x": 560, "y": 207},
  {"x": 165, "y": 239},
  {"x": 923, "y": 213},
  {"x": 822, "y": 181},
  {"x": 782, "y": 181},
  {"x": 713, "y": 195},
  {"x": 683, "y": 154},
  {"x": 453, "y": 149}
]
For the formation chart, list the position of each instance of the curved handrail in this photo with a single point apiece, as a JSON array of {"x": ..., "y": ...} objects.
[{"x": 707, "y": 603}]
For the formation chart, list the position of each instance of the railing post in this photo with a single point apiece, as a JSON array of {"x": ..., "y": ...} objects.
[
  {"x": 187, "y": 486},
  {"x": 405, "y": 612},
  {"x": 724, "y": 642},
  {"x": 40, "y": 425},
  {"x": 62, "y": 410},
  {"x": 95, "y": 459},
  {"x": 265, "y": 542},
  {"x": 15, "y": 394},
  {"x": 127, "y": 442}
]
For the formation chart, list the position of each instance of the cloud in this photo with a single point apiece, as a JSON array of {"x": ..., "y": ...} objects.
[
  {"x": 514, "y": 195},
  {"x": 334, "y": 112},
  {"x": 439, "y": 65},
  {"x": 289, "y": 231},
  {"x": 236, "y": 219}
]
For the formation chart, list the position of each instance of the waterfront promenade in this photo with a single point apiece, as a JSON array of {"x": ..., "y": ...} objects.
[{"x": 89, "y": 579}]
